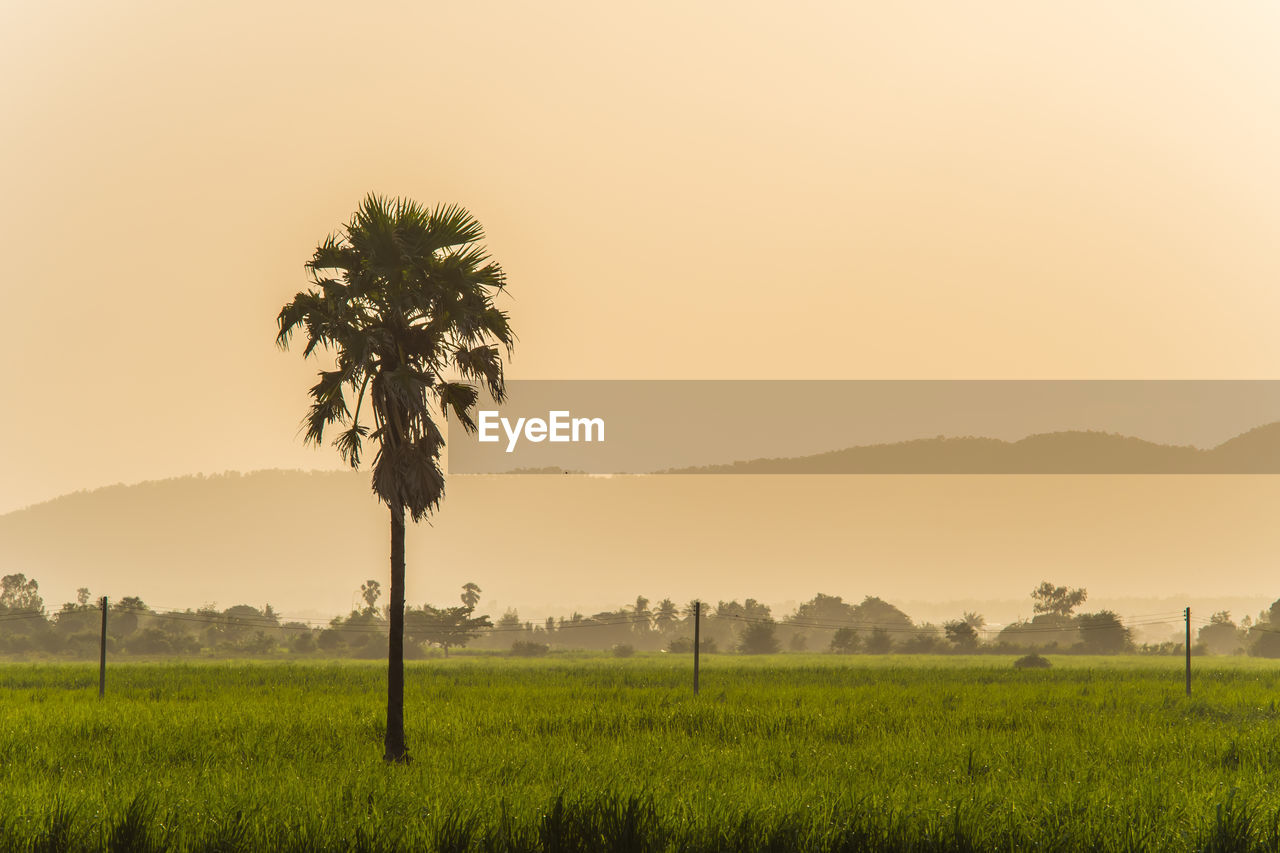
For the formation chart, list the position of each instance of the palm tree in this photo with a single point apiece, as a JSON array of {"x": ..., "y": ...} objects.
[
  {"x": 470, "y": 595},
  {"x": 403, "y": 296},
  {"x": 371, "y": 591},
  {"x": 643, "y": 617},
  {"x": 666, "y": 615}
]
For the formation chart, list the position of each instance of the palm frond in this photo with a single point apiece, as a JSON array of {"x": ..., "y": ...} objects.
[
  {"x": 349, "y": 444},
  {"x": 329, "y": 405},
  {"x": 452, "y": 225},
  {"x": 404, "y": 386},
  {"x": 408, "y": 476},
  {"x": 458, "y": 398},
  {"x": 482, "y": 364}
]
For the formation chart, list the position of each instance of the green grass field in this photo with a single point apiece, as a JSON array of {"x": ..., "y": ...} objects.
[{"x": 791, "y": 752}]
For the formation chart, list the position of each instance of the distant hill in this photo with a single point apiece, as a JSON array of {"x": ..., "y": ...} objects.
[
  {"x": 1071, "y": 452},
  {"x": 551, "y": 543}
]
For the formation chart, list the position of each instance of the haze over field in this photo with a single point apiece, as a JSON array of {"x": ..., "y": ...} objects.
[{"x": 305, "y": 542}]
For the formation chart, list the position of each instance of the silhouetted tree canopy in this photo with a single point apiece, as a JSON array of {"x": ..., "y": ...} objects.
[
  {"x": 759, "y": 638},
  {"x": 1057, "y": 600},
  {"x": 1103, "y": 632},
  {"x": 961, "y": 634}
]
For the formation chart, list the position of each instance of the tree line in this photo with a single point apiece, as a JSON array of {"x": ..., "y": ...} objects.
[{"x": 824, "y": 623}]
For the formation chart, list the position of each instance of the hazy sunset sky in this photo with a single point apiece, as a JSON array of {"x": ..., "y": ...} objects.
[{"x": 677, "y": 190}]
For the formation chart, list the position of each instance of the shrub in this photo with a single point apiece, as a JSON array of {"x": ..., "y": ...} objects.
[
  {"x": 304, "y": 642},
  {"x": 329, "y": 640},
  {"x": 759, "y": 639},
  {"x": 371, "y": 649},
  {"x": 879, "y": 643},
  {"x": 185, "y": 644},
  {"x": 922, "y": 644},
  {"x": 684, "y": 646},
  {"x": 149, "y": 641},
  {"x": 529, "y": 649},
  {"x": 85, "y": 644},
  {"x": 623, "y": 650},
  {"x": 259, "y": 643},
  {"x": 1032, "y": 661},
  {"x": 1104, "y": 633},
  {"x": 961, "y": 634},
  {"x": 16, "y": 643},
  {"x": 845, "y": 642},
  {"x": 1267, "y": 645}
]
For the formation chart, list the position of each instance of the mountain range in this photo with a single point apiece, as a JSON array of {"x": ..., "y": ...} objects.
[
  {"x": 1069, "y": 452},
  {"x": 305, "y": 541}
]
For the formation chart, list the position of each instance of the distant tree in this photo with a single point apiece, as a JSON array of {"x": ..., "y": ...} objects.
[
  {"x": 643, "y": 617},
  {"x": 123, "y": 618},
  {"x": 846, "y": 641},
  {"x": 924, "y": 639},
  {"x": 470, "y": 595},
  {"x": 510, "y": 621},
  {"x": 76, "y": 618},
  {"x": 1264, "y": 640},
  {"x": 1104, "y": 633},
  {"x": 880, "y": 642},
  {"x": 448, "y": 627},
  {"x": 798, "y": 643},
  {"x": 149, "y": 641},
  {"x": 330, "y": 640},
  {"x": 17, "y": 592},
  {"x": 666, "y": 615},
  {"x": 961, "y": 634},
  {"x": 758, "y": 638},
  {"x": 247, "y": 613},
  {"x": 302, "y": 642},
  {"x": 684, "y": 645},
  {"x": 402, "y": 297},
  {"x": 976, "y": 620},
  {"x": 752, "y": 609},
  {"x": 878, "y": 613},
  {"x": 82, "y": 596},
  {"x": 1057, "y": 600},
  {"x": 1221, "y": 635},
  {"x": 241, "y": 620},
  {"x": 371, "y": 591},
  {"x": 529, "y": 649},
  {"x": 157, "y": 641},
  {"x": 825, "y": 609}
]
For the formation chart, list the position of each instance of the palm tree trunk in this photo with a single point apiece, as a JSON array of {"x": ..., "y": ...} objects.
[{"x": 395, "y": 745}]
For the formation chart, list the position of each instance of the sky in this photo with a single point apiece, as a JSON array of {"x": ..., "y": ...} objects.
[{"x": 713, "y": 190}]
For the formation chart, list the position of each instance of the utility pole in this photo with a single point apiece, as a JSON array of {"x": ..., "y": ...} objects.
[
  {"x": 697, "y": 630},
  {"x": 102, "y": 653},
  {"x": 1187, "y": 615}
]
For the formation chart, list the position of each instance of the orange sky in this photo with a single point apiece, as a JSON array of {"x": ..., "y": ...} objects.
[{"x": 713, "y": 190}]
